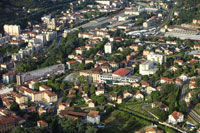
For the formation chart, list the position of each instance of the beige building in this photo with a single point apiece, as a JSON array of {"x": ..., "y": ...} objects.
[{"x": 12, "y": 30}]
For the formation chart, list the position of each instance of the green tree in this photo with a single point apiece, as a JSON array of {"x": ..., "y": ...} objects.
[
  {"x": 91, "y": 129},
  {"x": 14, "y": 107}
]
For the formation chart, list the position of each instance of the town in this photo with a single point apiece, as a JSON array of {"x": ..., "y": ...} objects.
[{"x": 101, "y": 66}]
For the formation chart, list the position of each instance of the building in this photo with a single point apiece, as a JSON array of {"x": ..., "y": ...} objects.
[
  {"x": 8, "y": 123},
  {"x": 8, "y": 77},
  {"x": 41, "y": 39},
  {"x": 40, "y": 73},
  {"x": 42, "y": 124},
  {"x": 93, "y": 117},
  {"x": 99, "y": 92},
  {"x": 175, "y": 117},
  {"x": 44, "y": 87},
  {"x": 139, "y": 95},
  {"x": 19, "y": 98},
  {"x": 147, "y": 68},
  {"x": 13, "y": 30},
  {"x": 51, "y": 35},
  {"x": 157, "y": 58},
  {"x": 108, "y": 48},
  {"x": 72, "y": 64}
]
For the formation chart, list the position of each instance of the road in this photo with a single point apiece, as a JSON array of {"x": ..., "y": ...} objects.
[{"x": 70, "y": 77}]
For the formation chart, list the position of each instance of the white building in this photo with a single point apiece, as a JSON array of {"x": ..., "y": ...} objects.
[
  {"x": 108, "y": 48},
  {"x": 99, "y": 92},
  {"x": 51, "y": 36},
  {"x": 157, "y": 58},
  {"x": 175, "y": 118},
  {"x": 5, "y": 90},
  {"x": 41, "y": 38},
  {"x": 147, "y": 68},
  {"x": 93, "y": 117},
  {"x": 104, "y": 2},
  {"x": 12, "y": 29}
]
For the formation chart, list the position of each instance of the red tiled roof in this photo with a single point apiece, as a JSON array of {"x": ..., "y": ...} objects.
[
  {"x": 176, "y": 114},
  {"x": 93, "y": 114},
  {"x": 122, "y": 72}
]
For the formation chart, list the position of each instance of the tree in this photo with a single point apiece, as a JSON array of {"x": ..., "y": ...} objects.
[
  {"x": 197, "y": 83},
  {"x": 63, "y": 85},
  {"x": 155, "y": 96},
  {"x": 81, "y": 66},
  {"x": 182, "y": 106},
  {"x": 82, "y": 79},
  {"x": 14, "y": 107},
  {"x": 91, "y": 129},
  {"x": 92, "y": 89}
]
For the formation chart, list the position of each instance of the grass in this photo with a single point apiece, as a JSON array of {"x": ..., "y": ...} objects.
[
  {"x": 137, "y": 107},
  {"x": 126, "y": 123}
]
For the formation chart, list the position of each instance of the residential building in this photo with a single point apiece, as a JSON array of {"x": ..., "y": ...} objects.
[
  {"x": 13, "y": 30},
  {"x": 42, "y": 124},
  {"x": 108, "y": 48},
  {"x": 175, "y": 117},
  {"x": 139, "y": 95},
  {"x": 40, "y": 73},
  {"x": 157, "y": 58},
  {"x": 99, "y": 91},
  {"x": 127, "y": 94},
  {"x": 44, "y": 87},
  {"x": 93, "y": 117},
  {"x": 147, "y": 68},
  {"x": 72, "y": 64}
]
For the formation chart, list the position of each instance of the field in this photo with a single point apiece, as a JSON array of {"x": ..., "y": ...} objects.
[{"x": 126, "y": 123}]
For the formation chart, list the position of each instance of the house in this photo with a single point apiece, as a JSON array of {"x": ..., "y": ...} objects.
[
  {"x": 119, "y": 100},
  {"x": 144, "y": 84},
  {"x": 87, "y": 99},
  {"x": 91, "y": 104},
  {"x": 173, "y": 68},
  {"x": 127, "y": 94},
  {"x": 150, "y": 89},
  {"x": 93, "y": 117},
  {"x": 45, "y": 87},
  {"x": 197, "y": 46},
  {"x": 139, "y": 95},
  {"x": 63, "y": 106},
  {"x": 150, "y": 129},
  {"x": 179, "y": 81},
  {"x": 183, "y": 77},
  {"x": 160, "y": 105},
  {"x": 113, "y": 97},
  {"x": 135, "y": 85},
  {"x": 179, "y": 62},
  {"x": 41, "y": 111},
  {"x": 42, "y": 124},
  {"x": 166, "y": 80},
  {"x": 175, "y": 117},
  {"x": 72, "y": 64},
  {"x": 99, "y": 91},
  {"x": 7, "y": 65},
  {"x": 72, "y": 91}
]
